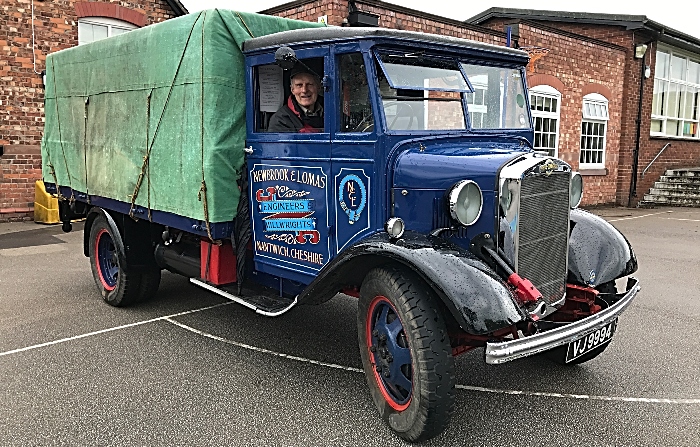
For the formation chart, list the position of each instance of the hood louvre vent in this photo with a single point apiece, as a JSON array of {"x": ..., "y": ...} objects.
[{"x": 441, "y": 219}]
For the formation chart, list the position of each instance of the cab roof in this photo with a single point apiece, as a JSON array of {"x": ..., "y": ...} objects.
[{"x": 335, "y": 34}]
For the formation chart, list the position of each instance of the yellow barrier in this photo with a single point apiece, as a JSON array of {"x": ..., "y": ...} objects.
[{"x": 45, "y": 206}]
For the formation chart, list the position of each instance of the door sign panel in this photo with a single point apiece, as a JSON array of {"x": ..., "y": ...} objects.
[
  {"x": 289, "y": 213},
  {"x": 351, "y": 209}
]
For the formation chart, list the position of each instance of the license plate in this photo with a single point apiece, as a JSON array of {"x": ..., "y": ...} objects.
[{"x": 591, "y": 341}]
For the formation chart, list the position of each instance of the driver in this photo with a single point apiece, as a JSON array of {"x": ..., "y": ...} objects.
[{"x": 302, "y": 112}]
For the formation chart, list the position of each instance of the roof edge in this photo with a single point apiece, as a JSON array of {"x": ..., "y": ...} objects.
[
  {"x": 631, "y": 22},
  {"x": 177, "y": 7}
]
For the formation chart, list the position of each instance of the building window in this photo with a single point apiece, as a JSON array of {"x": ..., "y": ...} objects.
[
  {"x": 91, "y": 29},
  {"x": 676, "y": 101},
  {"x": 545, "y": 102},
  {"x": 593, "y": 128}
]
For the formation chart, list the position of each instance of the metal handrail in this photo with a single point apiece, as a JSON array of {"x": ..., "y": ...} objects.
[{"x": 657, "y": 156}]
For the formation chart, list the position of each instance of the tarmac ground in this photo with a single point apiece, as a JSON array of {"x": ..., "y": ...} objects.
[{"x": 191, "y": 368}]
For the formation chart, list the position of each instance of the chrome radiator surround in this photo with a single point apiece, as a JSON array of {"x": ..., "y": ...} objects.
[{"x": 534, "y": 221}]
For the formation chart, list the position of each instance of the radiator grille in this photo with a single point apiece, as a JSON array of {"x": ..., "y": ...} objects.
[{"x": 543, "y": 228}]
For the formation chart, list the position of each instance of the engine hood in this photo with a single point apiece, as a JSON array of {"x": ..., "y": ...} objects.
[{"x": 439, "y": 165}]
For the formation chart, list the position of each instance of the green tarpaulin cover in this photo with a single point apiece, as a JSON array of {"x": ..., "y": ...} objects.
[{"x": 155, "y": 113}]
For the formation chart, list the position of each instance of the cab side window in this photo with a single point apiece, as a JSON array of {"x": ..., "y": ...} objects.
[
  {"x": 290, "y": 100},
  {"x": 355, "y": 107}
]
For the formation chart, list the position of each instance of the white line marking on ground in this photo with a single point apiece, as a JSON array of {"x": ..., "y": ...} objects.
[
  {"x": 103, "y": 331},
  {"x": 650, "y": 400},
  {"x": 639, "y": 217},
  {"x": 461, "y": 387},
  {"x": 678, "y": 218},
  {"x": 263, "y": 350}
]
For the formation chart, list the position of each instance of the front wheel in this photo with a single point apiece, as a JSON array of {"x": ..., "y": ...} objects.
[{"x": 406, "y": 353}]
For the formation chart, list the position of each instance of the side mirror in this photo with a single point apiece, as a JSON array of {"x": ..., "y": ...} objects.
[{"x": 286, "y": 58}]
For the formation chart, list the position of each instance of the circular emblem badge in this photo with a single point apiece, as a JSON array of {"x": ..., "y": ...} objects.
[{"x": 352, "y": 196}]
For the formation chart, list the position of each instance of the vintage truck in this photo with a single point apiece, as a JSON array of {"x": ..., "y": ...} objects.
[{"x": 421, "y": 195}]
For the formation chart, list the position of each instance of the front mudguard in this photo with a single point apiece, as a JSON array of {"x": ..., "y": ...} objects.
[
  {"x": 478, "y": 299},
  {"x": 598, "y": 252}
]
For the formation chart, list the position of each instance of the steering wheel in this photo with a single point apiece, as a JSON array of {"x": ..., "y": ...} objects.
[
  {"x": 366, "y": 125},
  {"x": 403, "y": 110}
]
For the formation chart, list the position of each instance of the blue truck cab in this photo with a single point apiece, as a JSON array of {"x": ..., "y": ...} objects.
[{"x": 420, "y": 194}]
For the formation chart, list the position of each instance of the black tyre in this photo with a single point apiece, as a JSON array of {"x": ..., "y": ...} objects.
[
  {"x": 118, "y": 286},
  {"x": 558, "y": 355},
  {"x": 149, "y": 283},
  {"x": 406, "y": 353}
]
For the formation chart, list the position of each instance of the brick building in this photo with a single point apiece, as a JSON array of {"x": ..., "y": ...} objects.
[
  {"x": 578, "y": 73},
  {"x": 660, "y": 85},
  {"x": 585, "y": 81},
  {"x": 29, "y": 30}
]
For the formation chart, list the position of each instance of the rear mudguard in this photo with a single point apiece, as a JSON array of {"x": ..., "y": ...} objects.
[
  {"x": 598, "y": 252},
  {"x": 133, "y": 239},
  {"x": 477, "y": 298}
]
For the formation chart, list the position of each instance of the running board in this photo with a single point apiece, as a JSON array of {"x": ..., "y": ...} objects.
[{"x": 267, "y": 305}]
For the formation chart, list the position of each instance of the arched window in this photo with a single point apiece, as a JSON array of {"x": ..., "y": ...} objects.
[
  {"x": 545, "y": 103},
  {"x": 91, "y": 29},
  {"x": 594, "y": 126}
]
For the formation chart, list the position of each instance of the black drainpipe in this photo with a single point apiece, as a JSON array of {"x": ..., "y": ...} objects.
[{"x": 635, "y": 161}]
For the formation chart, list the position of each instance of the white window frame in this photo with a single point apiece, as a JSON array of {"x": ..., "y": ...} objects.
[
  {"x": 111, "y": 25},
  {"x": 692, "y": 86},
  {"x": 594, "y": 111},
  {"x": 546, "y": 92}
]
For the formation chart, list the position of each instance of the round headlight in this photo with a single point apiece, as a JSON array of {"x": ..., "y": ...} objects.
[
  {"x": 465, "y": 202},
  {"x": 575, "y": 190}
]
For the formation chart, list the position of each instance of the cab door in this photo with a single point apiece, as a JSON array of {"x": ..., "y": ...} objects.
[
  {"x": 356, "y": 183},
  {"x": 289, "y": 175}
]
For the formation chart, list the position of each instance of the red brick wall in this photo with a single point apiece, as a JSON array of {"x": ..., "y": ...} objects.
[
  {"x": 21, "y": 91},
  {"x": 576, "y": 67},
  {"x": 394, "y": 18},
  {"x": 681, "y": 153}
]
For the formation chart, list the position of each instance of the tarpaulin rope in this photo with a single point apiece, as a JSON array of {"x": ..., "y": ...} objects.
[
  {"x": 60, "y": 138},
  {"x": 148, "y": 169},
  {"x": 144, "y": 166},
  {"x": 244, "y": 24},
  {"x": 202, "y": 196},
  {"x": 85, "y": 123}
]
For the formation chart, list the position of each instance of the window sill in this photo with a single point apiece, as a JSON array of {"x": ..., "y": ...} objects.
[
  {"x": 593, "y": 171},
  {"x": 671, "y": 137}
]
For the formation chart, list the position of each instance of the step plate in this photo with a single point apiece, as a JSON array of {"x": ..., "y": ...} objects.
[{"x": 262, "y": 301}]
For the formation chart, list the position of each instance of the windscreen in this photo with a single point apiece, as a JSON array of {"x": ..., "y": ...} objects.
[
  {"x": 498, "y": 98},
  {"x": 421, "y": 93}
]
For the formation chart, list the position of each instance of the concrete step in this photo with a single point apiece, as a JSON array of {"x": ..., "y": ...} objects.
[
  {"x": 679, "y": 179},
  {"x": 665, "y": 200},
  {"x": 674, "y": 193},
  {"x": 690, "y": 188},
  {"x": 687, "y": 172}
]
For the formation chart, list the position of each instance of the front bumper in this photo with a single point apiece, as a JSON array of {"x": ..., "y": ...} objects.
[{"x": 502, "y": 352}]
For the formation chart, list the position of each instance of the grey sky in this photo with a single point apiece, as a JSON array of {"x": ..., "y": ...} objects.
[{"x": 683, "y": 15}]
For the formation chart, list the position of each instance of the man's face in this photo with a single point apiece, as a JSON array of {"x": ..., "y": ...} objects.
[{"x": 305, "y": 89}]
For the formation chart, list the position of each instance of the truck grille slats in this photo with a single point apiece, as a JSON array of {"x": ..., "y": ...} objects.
[{"x": 543, "y": 228}]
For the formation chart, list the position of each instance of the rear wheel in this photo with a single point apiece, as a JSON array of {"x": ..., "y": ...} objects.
[
  {"x": 149, "y": 283},
  {"x": 406, "y": 353},
  {"x": 118, "y": 286}
]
